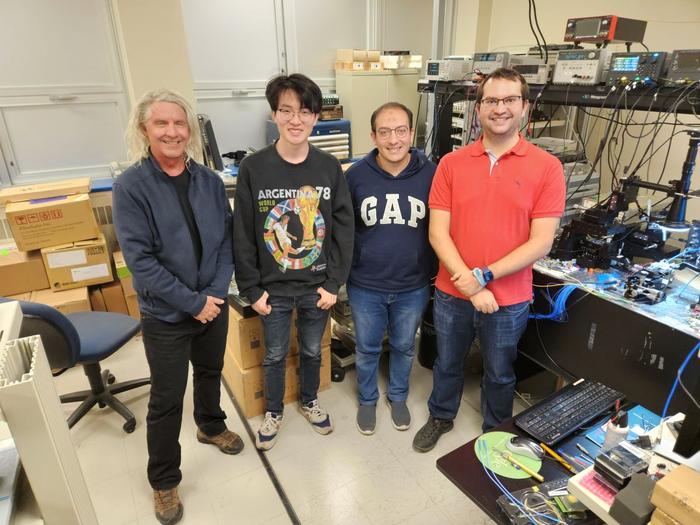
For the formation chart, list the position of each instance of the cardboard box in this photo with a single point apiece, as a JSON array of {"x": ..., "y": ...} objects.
[
  {"x": 47, "y": 222},
  {"x": 401, "y": 61},
  {"x": 79, "y": 263},
  {"x": 132, "y": 306},
  {"x": 247, "y": 385},
  {"x": 113, "y": 297},
  {"x": 375, "y": 66},
  {"x": 351, "y": 55},
  {"x": 123, "y": 274},
  {"x": 677, "y": 495},
  {"x": 21, "y": 271},
  {"x": 65, "y": 301},
  {"x": 44, "y": 190},
  {"x": 659, "y": 517},
  {"x": 246, "y": 340},
  {"x": 373, "y": 55},
  {"x": 26, "y": 296},
  {"x": 97, "y": 302}
]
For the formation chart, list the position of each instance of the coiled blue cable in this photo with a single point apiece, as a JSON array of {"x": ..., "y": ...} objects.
[{"x": 558, "y": 304}]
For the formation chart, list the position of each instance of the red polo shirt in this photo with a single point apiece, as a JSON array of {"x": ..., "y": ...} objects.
[{"x": 491, "y": 208}]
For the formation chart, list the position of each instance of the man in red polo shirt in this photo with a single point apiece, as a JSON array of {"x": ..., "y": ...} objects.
[{"x": 494, "y": 209}]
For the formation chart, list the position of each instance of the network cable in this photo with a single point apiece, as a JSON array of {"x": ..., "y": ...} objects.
[
  {"x": 678, "y": 375},
  {"x": 558, "y": 304}
]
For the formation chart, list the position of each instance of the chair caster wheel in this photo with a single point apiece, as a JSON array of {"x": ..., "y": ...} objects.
[
  {"x": 129, "y": 426},
  {"x": 111, "y": 379},
  {"x": 101, "y": 404},
  {"x": 337, "y": 374}
]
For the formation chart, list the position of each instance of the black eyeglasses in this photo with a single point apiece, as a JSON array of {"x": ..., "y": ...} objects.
[{"x": 492, "y": 102}]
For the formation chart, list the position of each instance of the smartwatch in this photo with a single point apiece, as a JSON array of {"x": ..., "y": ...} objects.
[
  {"x": 482, "y": 276},
  {"x": 479, "y": 276}
]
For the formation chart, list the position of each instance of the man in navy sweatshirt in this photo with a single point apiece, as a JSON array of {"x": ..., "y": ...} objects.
[
  {"x": 389, "y": 283},
  {"x": 173, "y": 222}
]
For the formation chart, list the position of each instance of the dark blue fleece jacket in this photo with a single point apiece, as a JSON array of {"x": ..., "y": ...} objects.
[
  {"x": 153, "y": 234},
  {"x": 391, "y": 252}
]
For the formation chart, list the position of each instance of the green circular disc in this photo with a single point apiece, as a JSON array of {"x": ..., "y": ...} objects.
[{"x": 489, "y": 448}]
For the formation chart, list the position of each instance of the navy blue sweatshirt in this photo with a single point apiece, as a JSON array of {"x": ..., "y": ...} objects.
[
  {"x": 392, "y": 252},
  {"x": 156, "y": 241}
]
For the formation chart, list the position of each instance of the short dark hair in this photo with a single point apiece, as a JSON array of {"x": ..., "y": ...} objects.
[
  {"x": 306, "y": 89},
  {"x": 391, "y": 105},
  {"x": 504, "y": 73}
]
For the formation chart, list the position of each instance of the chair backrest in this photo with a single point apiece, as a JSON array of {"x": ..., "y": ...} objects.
[{"x": 58, "y": 335}]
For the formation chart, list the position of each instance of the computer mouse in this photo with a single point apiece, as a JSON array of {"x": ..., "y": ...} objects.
[{"x": 524, "y": 447}]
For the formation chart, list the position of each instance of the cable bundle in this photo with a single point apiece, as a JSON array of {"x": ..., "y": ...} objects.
[{"x": 558, "y": 304}]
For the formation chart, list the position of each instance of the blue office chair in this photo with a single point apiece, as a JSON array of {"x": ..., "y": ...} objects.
[{"x": 84, "y": 338}]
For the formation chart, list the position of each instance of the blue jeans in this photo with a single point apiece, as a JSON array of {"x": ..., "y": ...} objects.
[
  {"x": 311, "y": 323},
  {"x": 457, "y": 322},
  {"x": 373, "y": 312}
]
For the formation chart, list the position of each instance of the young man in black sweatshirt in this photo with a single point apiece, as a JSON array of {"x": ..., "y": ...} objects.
[{"x": 293, "y": 238}]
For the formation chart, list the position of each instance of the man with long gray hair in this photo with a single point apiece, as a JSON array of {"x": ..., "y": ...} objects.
[{"x": 173, "y": 223}]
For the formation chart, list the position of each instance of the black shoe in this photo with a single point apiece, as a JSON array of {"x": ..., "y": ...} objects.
[{"x": 427, "y": 437}]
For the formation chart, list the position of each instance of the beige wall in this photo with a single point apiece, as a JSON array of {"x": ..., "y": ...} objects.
[
  {"x": 468, "y": 36},
  {"x": 153, "y": 48},
  {"x": 667, "y": 27},
  {"x": 672, "y": 24}
]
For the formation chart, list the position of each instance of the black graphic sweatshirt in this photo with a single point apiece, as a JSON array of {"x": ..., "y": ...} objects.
[{"x": 293, "y": 225}]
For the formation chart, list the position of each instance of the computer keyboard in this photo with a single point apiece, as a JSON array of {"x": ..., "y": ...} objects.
[{"x": 567, "y": 410}]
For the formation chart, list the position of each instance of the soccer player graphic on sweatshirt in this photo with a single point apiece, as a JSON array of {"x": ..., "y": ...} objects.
[{"x": 279, "y": 239}]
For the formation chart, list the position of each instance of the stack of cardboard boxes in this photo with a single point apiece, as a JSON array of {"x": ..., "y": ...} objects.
[
  {"x": 373, "y": 60},
  {"x": 357, "y": 60},
  {"x": 58, "y": 249},
  {"x": 52, "y": 223},
  {"x": 677, "y": 498},
  {"x": 243, "y": 373}
]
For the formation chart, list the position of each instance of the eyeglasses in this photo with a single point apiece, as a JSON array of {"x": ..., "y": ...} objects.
[
  {"x": 385, "y": 133},
  {"x": 492, "y": 102},
  {"x": 305, "y": 115}
]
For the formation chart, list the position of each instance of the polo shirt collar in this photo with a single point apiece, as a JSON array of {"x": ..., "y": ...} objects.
[{"x": 519, "y": 149}]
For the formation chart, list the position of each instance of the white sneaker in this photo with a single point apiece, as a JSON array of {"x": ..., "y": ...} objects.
[
  {"x": 266, "y": 436},
  {"x": 319, "y": 418}
]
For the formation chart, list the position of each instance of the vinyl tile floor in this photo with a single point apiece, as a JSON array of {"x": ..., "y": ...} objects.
[{"x": 342, "y": 478}]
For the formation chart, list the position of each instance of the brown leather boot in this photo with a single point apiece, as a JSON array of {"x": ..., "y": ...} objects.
[
  {"x": 167, "y": 506},
  {"x": 228, "y": 442}
]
